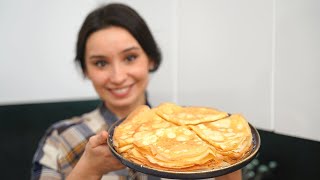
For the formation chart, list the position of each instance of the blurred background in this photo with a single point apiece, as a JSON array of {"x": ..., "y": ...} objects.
[{"x": 258, "y": 58}]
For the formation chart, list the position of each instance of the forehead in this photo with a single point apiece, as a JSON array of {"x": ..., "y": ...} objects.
[{"x": 112, "y": 38}]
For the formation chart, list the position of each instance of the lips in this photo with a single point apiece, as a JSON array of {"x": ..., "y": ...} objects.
[{"x": 120, "y": 92}]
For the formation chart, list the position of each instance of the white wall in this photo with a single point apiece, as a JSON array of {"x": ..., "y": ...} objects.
[
  {"x": 297, "y": 68},
  {"x": 259, "y": 58},
  {"x": 225, "y": 57},
  {"x": 37, "y": 50}
]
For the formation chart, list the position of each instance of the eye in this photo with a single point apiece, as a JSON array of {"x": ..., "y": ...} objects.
[
  {"x": 130, "y": 58},
  {"x": 100, "y": 63}
]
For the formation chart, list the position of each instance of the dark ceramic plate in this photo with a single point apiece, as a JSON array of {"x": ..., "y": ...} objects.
[{"x": 199, "y": 174}]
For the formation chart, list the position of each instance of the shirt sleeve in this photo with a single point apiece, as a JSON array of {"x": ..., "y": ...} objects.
[{"x": 45, "y": 161}]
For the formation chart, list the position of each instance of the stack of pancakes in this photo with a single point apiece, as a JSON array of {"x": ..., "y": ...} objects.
[{"x": 171, "y": 137}]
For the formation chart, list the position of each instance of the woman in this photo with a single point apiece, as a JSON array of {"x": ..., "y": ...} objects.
[{"x": 116, "y": 52}]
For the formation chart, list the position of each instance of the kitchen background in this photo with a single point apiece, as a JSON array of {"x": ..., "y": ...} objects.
[{"x": 259, "y": 58}]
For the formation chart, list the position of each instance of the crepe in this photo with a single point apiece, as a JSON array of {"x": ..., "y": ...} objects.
[
  {"x": 188, "y": 115},
  {"x": 124, "y": 133},
  {"x": 172, "y": 137},
  {"x": 230, "y": 137}
]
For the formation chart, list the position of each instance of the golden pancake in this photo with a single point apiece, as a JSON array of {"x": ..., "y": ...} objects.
[
  {"x": 123, "y": 134},
  {"x": 188, "y": 115},
  {"x": 155, "y": 122},
  {"x": 171, "y": 137},
  {"x": 231, "y": 137},
  {"x": 173, "y": 147}
]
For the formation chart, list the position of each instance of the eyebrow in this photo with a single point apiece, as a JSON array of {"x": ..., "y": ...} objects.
[
  {"x": 123, "y": 51},
  {"x": 96, "y": 57},
  {"x": 130, "y": 49}
]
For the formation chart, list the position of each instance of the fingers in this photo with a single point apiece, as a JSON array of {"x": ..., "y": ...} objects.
[{"x": 99, "y": 139}]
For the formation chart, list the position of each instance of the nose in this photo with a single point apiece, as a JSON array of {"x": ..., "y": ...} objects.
[{"x": 118, "y": 74}]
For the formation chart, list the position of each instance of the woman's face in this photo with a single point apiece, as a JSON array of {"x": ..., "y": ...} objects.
[{"x": 117, "y": 66}]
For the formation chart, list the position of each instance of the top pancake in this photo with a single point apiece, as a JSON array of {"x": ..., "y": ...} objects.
[
  {"x": 188, "y": 115},
  {"x": 173, "y": 147},
  {"x": 125, "y": 131},
  {"x": 231, "y": 137}
]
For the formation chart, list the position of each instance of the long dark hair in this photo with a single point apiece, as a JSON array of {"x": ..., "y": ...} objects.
[{"x": 121, "y": 15}]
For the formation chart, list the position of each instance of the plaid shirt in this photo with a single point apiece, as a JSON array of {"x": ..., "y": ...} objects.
[{"x": 64, "y": 142}]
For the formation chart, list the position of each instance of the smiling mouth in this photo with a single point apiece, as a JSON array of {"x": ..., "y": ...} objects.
[{"x": 120, "y": 92}]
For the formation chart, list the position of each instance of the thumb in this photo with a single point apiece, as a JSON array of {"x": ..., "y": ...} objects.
[{"x": 99, "y": 139}]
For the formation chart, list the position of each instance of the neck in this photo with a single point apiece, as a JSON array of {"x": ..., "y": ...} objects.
[{"x": 123, "y": 111}]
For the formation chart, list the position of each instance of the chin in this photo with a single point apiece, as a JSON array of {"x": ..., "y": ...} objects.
[
  {"x": 124, "y": 102},
  {"x": 121, "y": 103}
]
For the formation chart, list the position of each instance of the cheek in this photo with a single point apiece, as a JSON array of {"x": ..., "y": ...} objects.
[
  {"x": 141, "y": 69},
  {"x": 97, "y": 78},
  {"x": 141, "y": 74}
]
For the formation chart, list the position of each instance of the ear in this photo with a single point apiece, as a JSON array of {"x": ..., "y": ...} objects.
[{"x": 151, "y": 65}]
